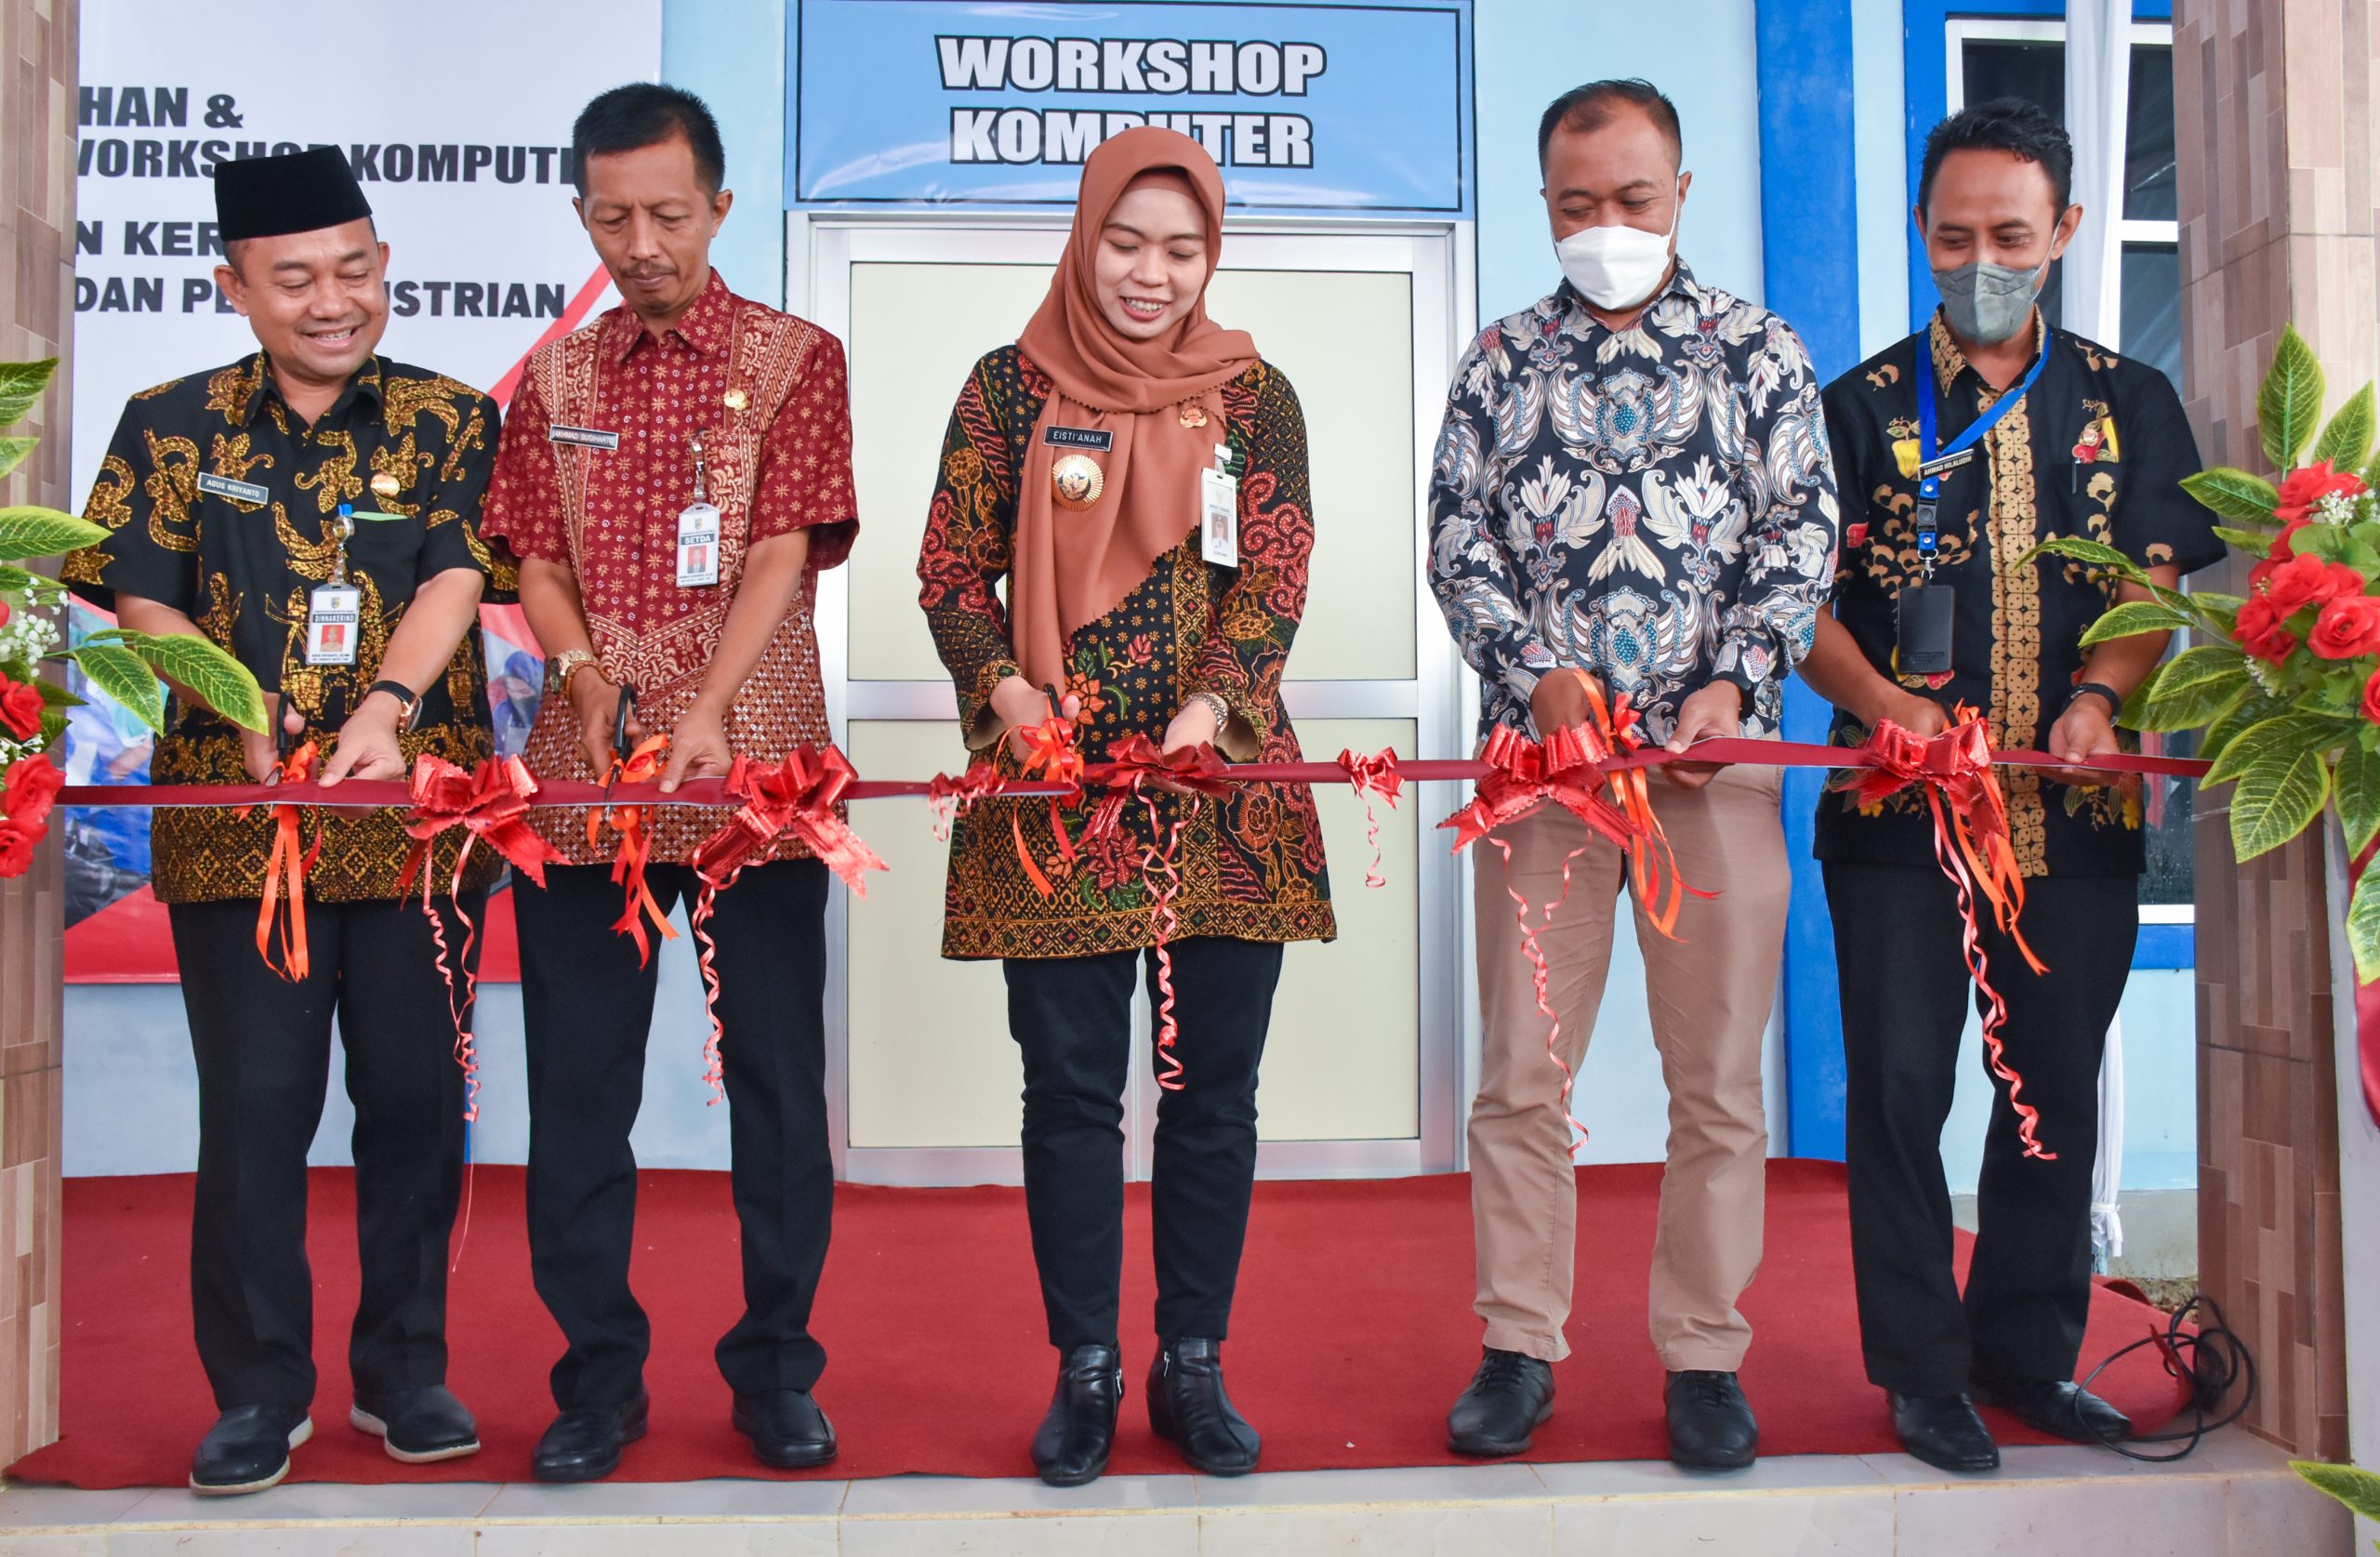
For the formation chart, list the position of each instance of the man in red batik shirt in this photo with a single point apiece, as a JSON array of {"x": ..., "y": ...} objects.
[{"x": 672, "y": 477}]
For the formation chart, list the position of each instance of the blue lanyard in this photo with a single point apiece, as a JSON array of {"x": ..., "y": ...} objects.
[{"x": 1929, "y": 488}]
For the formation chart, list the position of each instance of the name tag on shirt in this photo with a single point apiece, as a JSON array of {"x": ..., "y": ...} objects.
[
  {"x": 583, "y": 437},
  {"x": 1078, "y": 438},
  {"x": 239, "y": 492},
  {"x": 1219, "y": 518},
  {"x": 334, "y": 612},
  {"x": 1947, "y": 462},
  {"x": 697, "y": 546}
]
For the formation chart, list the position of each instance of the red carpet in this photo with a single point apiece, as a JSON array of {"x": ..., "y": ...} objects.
[{"x": 1352, "y": 1334}]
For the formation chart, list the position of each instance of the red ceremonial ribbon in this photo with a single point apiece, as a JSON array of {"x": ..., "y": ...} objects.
[
  {"x": 1368, "y": 777},
  {"x": 1134, "y": 768},
  {"x": 285, "y": 869},
  {"x": 797, "y": 797},
  {"x": 946, "y": 797},
  {"x": 635, "y": 847},
  {"x": 1052, "y": 756},
  {"x": 1971, "y": 845}
]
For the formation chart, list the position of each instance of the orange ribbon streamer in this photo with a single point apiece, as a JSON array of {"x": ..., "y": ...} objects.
[
  {"x": 1971, "y": 845},
  {"x": 635, "y": 849},
  {"x": 284, "y": 871},
  {"x": 797, "y": 797},
  {"x": 1051, "y": 755},
  {"x": 1368, "y": 777}
]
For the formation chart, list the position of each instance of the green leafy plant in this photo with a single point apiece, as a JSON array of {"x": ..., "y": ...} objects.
[
  {"x": 2286, "y": 680},
  {"x": 123, "y": 664},
  {"x": 2351, "y": 1485}
]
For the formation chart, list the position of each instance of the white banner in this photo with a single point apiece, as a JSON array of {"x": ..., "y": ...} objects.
[{"x": 456, "y": 115}]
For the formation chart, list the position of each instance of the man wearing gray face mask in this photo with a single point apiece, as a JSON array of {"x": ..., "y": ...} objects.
[{"x": 1959, "y": 448}]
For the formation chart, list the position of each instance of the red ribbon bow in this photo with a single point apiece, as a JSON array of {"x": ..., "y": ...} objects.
[
  {"x": 1368, "y": 777},
  {"x": 799, "y": 797},
  {"x": 490, "y": 802},
  {"x": 1973, "y": 846},
  {"x": 1523, "y": 775},
  {"x": 284, "y": 871},
  {"x": 1050, "y": 754}
]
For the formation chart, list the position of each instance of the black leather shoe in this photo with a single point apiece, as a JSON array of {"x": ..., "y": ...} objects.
[
  {"x": 2057, "y": 1407},
  {"x": 1509, "y": 1399},
  {"x": 787, "y": 1427},
  {"x": 418, "y": 1425},
  {"x": 248, "y": 1449},
  {"x": 1710, "y": 1423},
  {"x": 1071, "y": 1446},
  {"x": 1189, "y": 1408},
  {"x": 1944, "y": 1431},
  {"x": 584, "y": 1442}
]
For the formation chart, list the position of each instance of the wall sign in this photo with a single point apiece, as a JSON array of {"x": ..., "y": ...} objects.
[{"x": 1305, "y": 107}]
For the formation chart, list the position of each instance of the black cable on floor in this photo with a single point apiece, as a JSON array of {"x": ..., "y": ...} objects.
[{"x": 2211, "y": 1361}]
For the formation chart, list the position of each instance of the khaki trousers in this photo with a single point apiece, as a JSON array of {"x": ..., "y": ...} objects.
[{"x": 1709, "y": 991}]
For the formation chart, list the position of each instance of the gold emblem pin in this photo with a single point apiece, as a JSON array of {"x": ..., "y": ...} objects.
[
  {"x": 1076, "y": 481},
  {"x": 736, "y": 400},
  {"x": 1193, "y": 416},
  {"x": 385, "y": 485}
]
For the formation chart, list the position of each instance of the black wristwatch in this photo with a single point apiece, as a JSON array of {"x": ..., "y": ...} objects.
[
  {"x": 2115, "y": 698},
  {"x": 408, "y": 700}
]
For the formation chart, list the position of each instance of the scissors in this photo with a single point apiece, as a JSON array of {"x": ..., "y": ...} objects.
[
  {"x": 284, "y": 741},
  {"x": 620, "y": 752}
]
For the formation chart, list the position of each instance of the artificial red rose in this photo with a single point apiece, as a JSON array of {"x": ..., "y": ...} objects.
[
  {"x": 17, "y": 849},
  {"x": 2347, "y": 628},
  {"x": 20, "y": 708},
  {"x": 2372, "y": 698},
  {"x": 2308, "y": 486},
  {"x": 4, "y": 614},
  {"x": 2260, "y": 632},
  {"x": 32, "y": 785},
  {"x": 2309, "y": 580}
]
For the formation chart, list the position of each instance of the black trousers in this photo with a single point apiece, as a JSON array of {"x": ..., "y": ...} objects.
[
  {"x": 263, "y": 1047},
  {"x": 1905, "y": 998},
  {"x": 1073, "y": 1019},
  {"x": 587, "y": 1007}
]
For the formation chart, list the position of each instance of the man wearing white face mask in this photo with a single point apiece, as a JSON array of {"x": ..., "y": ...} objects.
[
  {"x": 1632, "y": 485},
  {"x": 1959, "y": 448}
]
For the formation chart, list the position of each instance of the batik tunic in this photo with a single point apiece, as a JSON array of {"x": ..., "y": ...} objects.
[
  {"x": 1252, "y": 866},
  {"x": 222, "y": 503}
]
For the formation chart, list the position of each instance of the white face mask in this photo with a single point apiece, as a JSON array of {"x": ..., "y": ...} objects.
[{"x": 1616, "y": 268}]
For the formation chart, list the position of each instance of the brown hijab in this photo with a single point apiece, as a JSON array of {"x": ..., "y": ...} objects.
[{"x": 1069, "y": 567}]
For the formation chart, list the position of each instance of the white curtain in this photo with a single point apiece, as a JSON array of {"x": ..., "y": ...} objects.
[{"x": 2099, "y": 93}]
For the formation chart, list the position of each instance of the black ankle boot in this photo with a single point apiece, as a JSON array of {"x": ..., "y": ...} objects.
[
  {"x": 1071, "y": 1447},
  {"x": 1188, "y": 1406}
]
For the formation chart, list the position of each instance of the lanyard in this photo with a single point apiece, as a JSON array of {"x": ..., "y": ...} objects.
[{"x": 1929, "y": 487}]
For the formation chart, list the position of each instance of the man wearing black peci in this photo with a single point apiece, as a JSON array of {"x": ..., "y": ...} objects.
[
  {"x": 313, "y": 508},
  {"x": 1958, "y": 450}
]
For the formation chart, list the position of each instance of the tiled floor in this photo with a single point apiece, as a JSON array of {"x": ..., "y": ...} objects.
[{"x": 2235, "y": 1498}]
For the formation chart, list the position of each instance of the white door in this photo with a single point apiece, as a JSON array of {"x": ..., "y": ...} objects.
[{"x": 1360, "y": 1072}]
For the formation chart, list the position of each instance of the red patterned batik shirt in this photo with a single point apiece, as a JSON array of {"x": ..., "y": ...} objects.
[{"x": 767, "y": 395}]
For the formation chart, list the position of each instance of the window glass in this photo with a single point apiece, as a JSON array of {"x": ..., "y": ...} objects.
[
  {"x": 2149, "y": 191},
  {"x": 2153, "y": 308},
  {"x": 2034, "y": 70},
  {"x": 2166, "y": 819}
]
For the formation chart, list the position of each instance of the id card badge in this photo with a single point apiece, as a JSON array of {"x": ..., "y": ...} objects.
[
  {"x": 1923, "y": 646},
  {"x": 333, "y": 613},
  {"x": 697, "y": 545},
  {"x": 1219, "y": 518}
]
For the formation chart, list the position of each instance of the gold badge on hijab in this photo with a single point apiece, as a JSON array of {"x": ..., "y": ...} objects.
[
  {"x": 1194, "y": 414},
  {"x": 1076, "y": 481},
  {"x": 383, "y": 484}
]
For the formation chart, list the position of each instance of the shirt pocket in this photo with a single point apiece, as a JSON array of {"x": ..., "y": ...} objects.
[{"x": 388, "y": 552}]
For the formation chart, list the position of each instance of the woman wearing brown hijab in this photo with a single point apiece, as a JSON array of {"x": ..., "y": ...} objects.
[{"x": 1075, "y": 471}]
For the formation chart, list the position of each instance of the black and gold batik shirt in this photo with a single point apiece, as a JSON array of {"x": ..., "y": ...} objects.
[
  {"x": 222, "y": 504},
  {"x": 2097, "y": 448}
]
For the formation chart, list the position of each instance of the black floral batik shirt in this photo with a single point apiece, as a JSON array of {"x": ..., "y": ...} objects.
[
  {"x": 2097, "y": 448},
  {"x": 222, "y": 504}
]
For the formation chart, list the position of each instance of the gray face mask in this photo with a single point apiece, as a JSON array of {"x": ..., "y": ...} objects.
[{"x": 1989, "y": 302}]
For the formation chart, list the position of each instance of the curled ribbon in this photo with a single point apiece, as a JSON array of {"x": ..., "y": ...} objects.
[
  {"x": 1971, "y": 845},
  {"x": 948, "y": 797},
  {"x": 1368, "y": 777},
  {"x": 1135, "y": 767},
  {"x": 797, "y": 797},
  {"x": 490, "y": 803},
  {"x": 284, "y": 871},
  {"x": 635, "y": 849}
]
